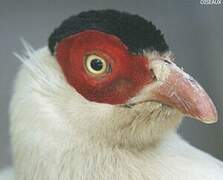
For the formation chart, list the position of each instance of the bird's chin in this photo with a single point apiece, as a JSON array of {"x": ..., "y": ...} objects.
[
  {"x": 146, "y": 122},
  {"x": 150, "y": 104},
  {"x": 154, "y": 110}
]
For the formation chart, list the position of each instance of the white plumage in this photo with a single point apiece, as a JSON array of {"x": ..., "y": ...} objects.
[{"x": 59, "y": 135}]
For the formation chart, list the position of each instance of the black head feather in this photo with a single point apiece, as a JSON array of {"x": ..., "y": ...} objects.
[{"x": 137, "y": 33}]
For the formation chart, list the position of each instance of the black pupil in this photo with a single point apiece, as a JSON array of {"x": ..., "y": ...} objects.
[{"x": 96, "y": 64}]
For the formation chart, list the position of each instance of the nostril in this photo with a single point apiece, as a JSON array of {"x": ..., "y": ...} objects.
[
  {"x": 166, "y": 61},
  {"x": 153, "y": 74}
]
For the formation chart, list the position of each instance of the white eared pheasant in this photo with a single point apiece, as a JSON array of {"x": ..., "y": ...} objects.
[{"x": 102, "y": 102}]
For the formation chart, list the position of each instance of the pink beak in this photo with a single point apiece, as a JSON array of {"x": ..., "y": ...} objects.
[
  {"x": 181, "y": 91},
  {"x": 178, "y": 89}
]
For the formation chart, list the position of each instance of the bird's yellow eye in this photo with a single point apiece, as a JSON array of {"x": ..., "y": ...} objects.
[{"x": 95, "y": 65}]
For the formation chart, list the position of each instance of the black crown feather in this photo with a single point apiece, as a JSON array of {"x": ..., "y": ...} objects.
[{"x": 136, "y": 33}]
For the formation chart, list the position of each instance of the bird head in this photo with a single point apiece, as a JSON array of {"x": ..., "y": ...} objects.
[{"x": 121, "y": 85}]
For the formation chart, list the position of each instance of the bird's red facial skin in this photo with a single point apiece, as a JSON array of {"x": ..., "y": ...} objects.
[{"x": 128, "y": 75}]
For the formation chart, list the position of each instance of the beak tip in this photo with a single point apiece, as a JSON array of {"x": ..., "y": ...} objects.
[{"x": 212, "y": 118}]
